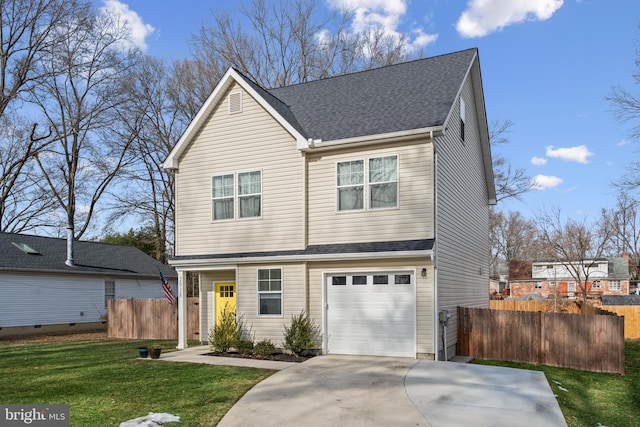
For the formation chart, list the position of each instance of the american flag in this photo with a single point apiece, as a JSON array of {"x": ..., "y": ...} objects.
[{"x": 168, "y": 292}]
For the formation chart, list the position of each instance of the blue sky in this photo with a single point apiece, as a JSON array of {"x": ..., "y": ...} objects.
[{"x": 547, "y": 65}]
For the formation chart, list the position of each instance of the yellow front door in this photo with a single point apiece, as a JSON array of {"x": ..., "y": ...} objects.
[{"x": 225, "y": 297}]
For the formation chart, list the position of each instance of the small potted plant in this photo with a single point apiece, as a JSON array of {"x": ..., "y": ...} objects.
[
  {"x": 143, "y": 352},
  {"x": 154, "y": 351}
]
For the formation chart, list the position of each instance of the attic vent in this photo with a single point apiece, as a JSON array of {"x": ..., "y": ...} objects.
[
  {"x": 235, "y": 102},
  {"x": 26, "y": 248}
]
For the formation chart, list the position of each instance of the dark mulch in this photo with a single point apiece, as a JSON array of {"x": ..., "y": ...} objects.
[{"x": 279, "y": 357}]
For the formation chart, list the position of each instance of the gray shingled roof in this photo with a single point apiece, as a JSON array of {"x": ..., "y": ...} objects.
[
  {"x": 407, "y": 96},
  {"x": 343, "y": 248},
  {"x": 621, "y": 300},
  {"x": 619, "y": 268},
  {"x": 89, "y": 257}
]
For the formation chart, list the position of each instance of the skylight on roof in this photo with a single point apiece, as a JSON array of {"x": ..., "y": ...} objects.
[{"x": 26, "y": 248}]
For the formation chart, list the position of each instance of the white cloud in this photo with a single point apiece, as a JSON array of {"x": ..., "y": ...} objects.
[
  {"x": 578, "y": 154},
  {"x": 539, "y": 161},
  {"x": 542, "y": 182},
  {"x": 139, "y": 30},
  {"x": 623, "y": 143},
  {"x": 482, "y": 17},
  {"x": 386, "y": 14}
]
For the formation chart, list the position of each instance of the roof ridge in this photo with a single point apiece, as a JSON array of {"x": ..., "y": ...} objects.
[{"x": 367, "y": 70}]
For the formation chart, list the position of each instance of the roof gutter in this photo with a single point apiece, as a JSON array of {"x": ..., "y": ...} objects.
[{"x": 405, "y": 135}]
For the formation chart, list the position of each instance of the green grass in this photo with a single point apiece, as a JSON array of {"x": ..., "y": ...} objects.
[
  {"x": 105, "y": 383},
  {"x": 594, "y": 398}
]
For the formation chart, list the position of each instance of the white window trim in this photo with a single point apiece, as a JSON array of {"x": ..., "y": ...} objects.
[
  {"x": 237, "y": 201},
  {"x": 366, "y": 191},
  {"x": 236, "y": 196},
  {"x": 220, "y": 198},
  {"x": 259, "y": 292}
]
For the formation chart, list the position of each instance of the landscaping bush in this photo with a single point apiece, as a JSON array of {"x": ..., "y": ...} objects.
[
  {"x": 264, "y": 348},
  {"x": 227, "y": 333},
  {"x": 244, "y": 346},
  {"x": 299, "y": 337}
]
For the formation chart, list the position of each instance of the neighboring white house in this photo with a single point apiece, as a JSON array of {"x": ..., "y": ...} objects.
[
  {"x": 39, "y": 293},
  {"x": 362, "y": 200}
]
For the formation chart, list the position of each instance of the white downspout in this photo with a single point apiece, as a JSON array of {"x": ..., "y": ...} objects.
[{"x": 434, "y": 257}]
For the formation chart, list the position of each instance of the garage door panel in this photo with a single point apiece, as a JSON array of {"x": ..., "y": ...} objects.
[{"x": 371, "y": 319}]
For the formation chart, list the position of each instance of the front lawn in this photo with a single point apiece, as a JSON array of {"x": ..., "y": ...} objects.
[
  {"x": 592, "y": 399},
  {"x": 105, "y": 383}
]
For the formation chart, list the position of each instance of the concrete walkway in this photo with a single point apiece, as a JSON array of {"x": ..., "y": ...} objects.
[{"x": 387, "y": 391}]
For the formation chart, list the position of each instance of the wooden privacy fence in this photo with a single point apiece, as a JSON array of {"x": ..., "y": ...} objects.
[
  {"x": 580, "y": 341},
  {"x": 150, "y": 318},
  {"x": 631, "y": 315}
]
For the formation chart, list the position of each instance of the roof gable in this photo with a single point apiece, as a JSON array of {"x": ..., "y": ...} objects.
[
  {"x": 89, "y": 257},
  {"x": 407, "y": 97}
]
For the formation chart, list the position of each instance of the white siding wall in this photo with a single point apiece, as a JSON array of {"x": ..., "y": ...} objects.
[
  {"x": 413, "y": 219},
  {"x": 48, "y": 299},
  {"x": 462, "y": 235},
  {"x": 249, "y": 141},
  {"x": 424, "y": 293},
  {"x": 293, "y": 300}
]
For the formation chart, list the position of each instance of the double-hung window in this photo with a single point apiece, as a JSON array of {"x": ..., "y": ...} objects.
[
  {"x": 614, "y": 285},
  {"x": 270, "y": 291},
  {"x": 109, "y": 291},
  {"x": 383, "y": 182},
  {"x": 222, "y": 195},
  {"x": 248, "y": 196},
  {"x": 379, "y": 181},
  {"x": 350, "y": 185}
]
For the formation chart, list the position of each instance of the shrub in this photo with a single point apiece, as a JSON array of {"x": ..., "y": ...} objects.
[
  {"x": 244, "y": 346},
  {"x": 227, "y": 332},
  {"x": 264, "y": 348},
  {"x": 299, "y": 337}
]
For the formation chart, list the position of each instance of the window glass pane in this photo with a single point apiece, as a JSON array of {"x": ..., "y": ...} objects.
[
  {"x": 249, "y": 206},
  {"x": 270, "y": 304},
  {"x": 222, "y": 186},
  {"x": 275, "y": 273},
  {"x": 276, "y": 285},
  {"x": 359, "y": 280},
  {"x": 380, "y": 280},
  {"x": 383, "y": 169},
  {"x": 223, "y": 209},
  {"x": 384, "y": 195},
  {"x": 263, "y": 274},
  {"x": 351, "y": 173},
  {"x": 402, "y": 279},
  {"x": 249, "y": 183},
  {"x": 350, "y": 198},
  {"x": 263, "y": 286},
  {"x": 339, "y": 280}
]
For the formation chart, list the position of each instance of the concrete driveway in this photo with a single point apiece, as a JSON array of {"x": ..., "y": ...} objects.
[{"x": 388, "y": 391}]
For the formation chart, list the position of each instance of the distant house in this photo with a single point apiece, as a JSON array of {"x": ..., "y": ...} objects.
[
  {"x": 362, "y": 200},
  {"x": 606, "y": 276},
  {"x": 39, "y": 293}
]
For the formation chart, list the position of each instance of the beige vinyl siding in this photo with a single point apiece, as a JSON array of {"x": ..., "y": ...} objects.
[
  {"x": 424, "y": 292},
  {"x": 294, "y": 298},
  {"x": 462, "y": 235},
  {"x": 230, "y": 143},
  {"x": 413, "y": 219},
  {"x": 208, "y": 279}
]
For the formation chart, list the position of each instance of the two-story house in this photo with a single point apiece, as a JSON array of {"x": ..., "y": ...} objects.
[
  {"x": 549, "y": 279},
  {"x": 362, "y": 200}
]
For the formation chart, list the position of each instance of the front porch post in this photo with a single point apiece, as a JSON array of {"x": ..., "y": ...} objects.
[{"x": 182, "y": 310}]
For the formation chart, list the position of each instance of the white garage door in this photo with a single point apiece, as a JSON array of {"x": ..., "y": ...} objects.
[{"x": 371, "y": 313}]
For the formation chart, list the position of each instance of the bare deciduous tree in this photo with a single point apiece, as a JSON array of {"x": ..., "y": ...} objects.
[
  {"x": 625, "y": 225},
  {"x": 79, "y": 101},
  {"x": 575, "y": 244},
  {"x": 509, "y": 181}
]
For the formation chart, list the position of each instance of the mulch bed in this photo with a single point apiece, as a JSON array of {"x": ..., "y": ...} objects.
[{"x": 278, "y": 357}]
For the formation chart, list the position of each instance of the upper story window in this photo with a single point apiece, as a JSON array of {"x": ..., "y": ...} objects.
[
  {"x": 222, "y": 195},
  {"x": 379, "y": 181},
  {"x": 350, "y": 181},
  {"x": 614, "y": 285},
  {"x": 248, "y": 195},
  {"x": 463, "y": 114}
]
